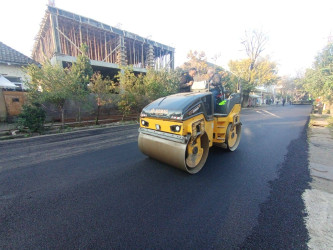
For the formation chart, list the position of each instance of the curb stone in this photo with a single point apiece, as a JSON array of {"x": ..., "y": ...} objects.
[{"x": 319, "y": 198}]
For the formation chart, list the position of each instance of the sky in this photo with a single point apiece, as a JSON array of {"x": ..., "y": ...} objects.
[{"x": 297, "y": 30}]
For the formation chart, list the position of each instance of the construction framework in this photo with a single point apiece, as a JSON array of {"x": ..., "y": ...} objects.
[{"x": 62, "y": 33}]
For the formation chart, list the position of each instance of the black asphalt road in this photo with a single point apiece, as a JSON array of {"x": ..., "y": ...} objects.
[{"x": 94, "y": 189}]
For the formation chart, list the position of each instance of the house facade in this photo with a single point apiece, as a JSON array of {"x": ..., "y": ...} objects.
[
  {"x": 12, "y": 78},
  {"x": 11, "y": 65}
]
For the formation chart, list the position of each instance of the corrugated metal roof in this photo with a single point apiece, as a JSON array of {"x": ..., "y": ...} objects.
[{"x": 9, "y": 55}]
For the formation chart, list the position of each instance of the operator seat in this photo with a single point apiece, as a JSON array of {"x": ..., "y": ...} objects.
[{"x": 224, "y": 110}]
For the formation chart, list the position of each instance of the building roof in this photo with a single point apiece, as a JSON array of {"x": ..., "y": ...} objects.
[
  {"x": 11, "y": 56},
  {"x": 105, "y": 27}
]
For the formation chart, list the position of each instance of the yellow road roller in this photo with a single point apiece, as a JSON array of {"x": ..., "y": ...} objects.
[{"x": 179, "y": 129}]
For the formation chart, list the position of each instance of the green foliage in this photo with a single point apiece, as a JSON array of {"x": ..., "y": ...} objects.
[
  {"x": 131, "y": 91},
  {"x": 330, "y": 122},
  {"x": 231, "y": 83},
  {"x": 318, "y": 81},
  {"x": 81, "y": 69},
  {"x": 82, "y": 72},
  {"x": 136, "y": 91},
  {"x": 103, "y": 90},
  {"x": 50, "y": 83},
  {"x": 32, "y": 117},
  {"x": 160, "y": 83},
  {"x": 263, "y": 72}
]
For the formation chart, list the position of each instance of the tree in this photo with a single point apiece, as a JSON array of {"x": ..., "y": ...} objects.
[
  {"x": 50, "y": 83},
  {"x": 254, "y": 44},
  {"x": 136, "y": 91},
  {"x": 231, "y": 82},
  {"x": 160, "y": 83},
  {"x": 82, "y": 73},
  {"x": 263, "y": 73},
  {"x": 318, "y": 81},
  {"x": 131, "y": 91},
  {"x": 102, "y": 89},
  {"x": 287, "y": 86},
  {"x": 82, "y": 69},
  {"x": 196, "y": 60}
]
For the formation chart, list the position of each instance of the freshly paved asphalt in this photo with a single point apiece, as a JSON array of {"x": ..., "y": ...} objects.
[{"x": 94, "y": 189}]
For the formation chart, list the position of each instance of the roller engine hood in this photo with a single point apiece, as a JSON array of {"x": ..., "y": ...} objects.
[{"x": 177, "y": 107}]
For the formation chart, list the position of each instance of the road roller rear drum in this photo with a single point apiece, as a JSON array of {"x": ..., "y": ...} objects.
[{"x": 233, "y": 136}]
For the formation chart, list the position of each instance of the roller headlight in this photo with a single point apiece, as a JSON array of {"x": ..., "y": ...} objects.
[
  {"x": 175, "y": 128},
  {"x": 144, "y": 123}
]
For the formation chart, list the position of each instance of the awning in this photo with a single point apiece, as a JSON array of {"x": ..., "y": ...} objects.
[
  {"x": 261, "y": 88},
  {"x": 5, "y": 83}
]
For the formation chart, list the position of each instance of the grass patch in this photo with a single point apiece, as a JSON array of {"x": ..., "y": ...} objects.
[
  {"x": 330, "y": 124},
  {"x": 329, "y": 121}
]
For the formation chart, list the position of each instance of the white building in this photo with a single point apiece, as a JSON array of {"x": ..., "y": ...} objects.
[
  {"x": 11, "y": 63},
  {"x": 11, "y": 81}
]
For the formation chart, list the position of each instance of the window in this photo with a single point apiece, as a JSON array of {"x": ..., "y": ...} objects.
[
  {"x": 207, "y": 100},
  {"x": 14, "y": 78}
]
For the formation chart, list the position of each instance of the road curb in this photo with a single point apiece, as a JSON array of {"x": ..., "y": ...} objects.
[
  {"x": 68, "y": 133},
  {"x": 319, "y": 198}
]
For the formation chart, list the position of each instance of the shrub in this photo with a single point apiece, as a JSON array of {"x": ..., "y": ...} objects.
[{"x": 32, "y": 117}]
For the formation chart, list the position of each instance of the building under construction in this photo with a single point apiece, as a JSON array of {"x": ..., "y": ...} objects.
[{"x": 62, "y": 33}]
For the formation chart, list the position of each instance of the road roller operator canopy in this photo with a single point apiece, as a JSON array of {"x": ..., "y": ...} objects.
[{"x": 179, "y": 129}]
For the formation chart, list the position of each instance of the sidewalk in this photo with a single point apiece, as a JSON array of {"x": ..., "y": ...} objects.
[
  {"x": 6, "y": 126},
  {"x": 319, "y": 199}
]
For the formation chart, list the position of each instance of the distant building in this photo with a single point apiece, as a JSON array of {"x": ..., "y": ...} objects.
[{"x": 62, "y": 33}]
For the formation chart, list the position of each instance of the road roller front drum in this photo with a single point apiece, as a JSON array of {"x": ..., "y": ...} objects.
[{"x": 189, "y": 157}]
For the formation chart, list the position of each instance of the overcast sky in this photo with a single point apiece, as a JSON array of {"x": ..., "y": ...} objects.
[{"x": 297, "y": 30}]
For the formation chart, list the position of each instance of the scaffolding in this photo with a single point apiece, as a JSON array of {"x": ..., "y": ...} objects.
[{"x": 62, "y": 33}]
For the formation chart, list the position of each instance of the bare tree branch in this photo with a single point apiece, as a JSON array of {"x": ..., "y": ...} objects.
[{"x": 254, "y": 44}]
